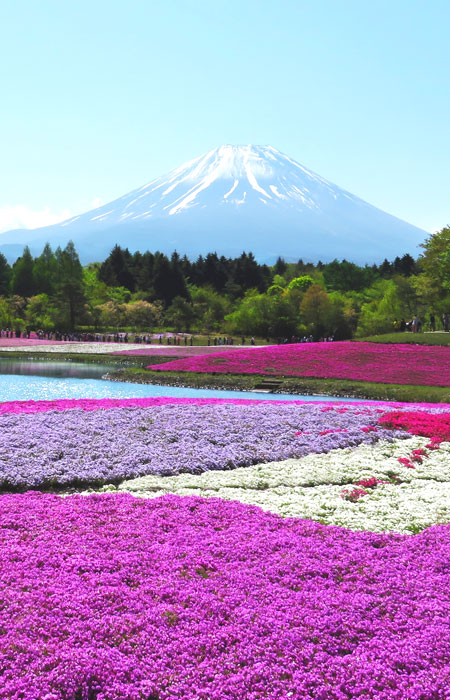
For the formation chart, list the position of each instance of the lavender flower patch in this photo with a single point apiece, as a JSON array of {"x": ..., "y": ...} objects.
[
  {"x": 77, "y": 448},
  {"x": 118, "y": 598}
]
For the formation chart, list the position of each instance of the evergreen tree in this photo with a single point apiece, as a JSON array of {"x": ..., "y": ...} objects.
[
  {"x": 345, "y": 276},
  {"x": 44, "y": 272},
  {"x": 247, "y": 272},
  {"x": 178, "y": 283},
  {"x": 69, "y": 288},
  {"x": 5, "y": 276},
  {"x": 405, "y": 265},
  {"x": 144, "y": 277},
  {"x": 22, "y": 282},
  {"x": 386, "y": 268},
  {"x": 115, "y": 271},
  {"x": 280, "y": 266},
  {"x": 162, "y": 284}
]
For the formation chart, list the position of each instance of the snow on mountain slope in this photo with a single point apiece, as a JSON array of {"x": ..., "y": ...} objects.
[{"x": 230, "y": 199}]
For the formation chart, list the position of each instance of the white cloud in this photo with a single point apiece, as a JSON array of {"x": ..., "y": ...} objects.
[
  {"x": 21, "y": 216},
  {"x": 96, "y": 202}
]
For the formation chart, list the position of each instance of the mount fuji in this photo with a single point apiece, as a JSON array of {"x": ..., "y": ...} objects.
[{"x": 231, "y": 199}]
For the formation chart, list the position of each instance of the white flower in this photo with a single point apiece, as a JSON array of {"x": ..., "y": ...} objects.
[{"x": 311, "y": 487}]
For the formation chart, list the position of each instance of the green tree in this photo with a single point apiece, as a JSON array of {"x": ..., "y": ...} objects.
[
  {"x": 301, "y": 283},
  {"x": 141, "y": 314},
  {"x": 316, "y": 311},
  {"x": 40, "y": 313},
  {"x": 210, "y": 307},
  {"x": 436, "y": 259},
  {"x": 22, "y": 282},
  {"x": 5, "y": 276},
  {"x": 45, "y": 272},
  {"x": 69, "y": 287},
  {"x": 111, "y": 314},
  {"x": 180, "y": 314},
  {"x": 345, "y": 276},
  {"x": 115, "y": 271}
]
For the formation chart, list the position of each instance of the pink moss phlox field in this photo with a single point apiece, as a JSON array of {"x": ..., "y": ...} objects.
[
  {"x": 31, "y": 406},
  {"x": 369, "y": 362},
  {"x": 112, "y": 597},
  {"x": 432, "y": 425}
]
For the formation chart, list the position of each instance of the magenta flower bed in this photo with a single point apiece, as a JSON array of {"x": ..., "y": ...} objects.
[
  {"x": 31, "y": 406},
  {"x": 117, "y": 598},
  {"x": 370, "y": 362},
  {"x": 435, "y": 426},
  {"x": 103, "y": 404}
]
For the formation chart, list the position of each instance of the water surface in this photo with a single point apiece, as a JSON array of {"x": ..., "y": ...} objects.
[
  {"x": 41, "y": 380},
  {"x": 24, "y": 388}
]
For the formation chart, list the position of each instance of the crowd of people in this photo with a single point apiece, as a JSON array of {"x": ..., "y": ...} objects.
[{"x": 416, "y": 324}]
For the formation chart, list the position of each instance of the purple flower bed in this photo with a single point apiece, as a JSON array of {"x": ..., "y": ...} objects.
[
  {"x": 117, "y": 598},
  {"x": 60, "y": 449}
]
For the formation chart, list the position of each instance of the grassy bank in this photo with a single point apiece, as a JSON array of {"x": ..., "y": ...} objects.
[
  {"x": 438, "y": 338},
  {"x": 288, "y": 385}
]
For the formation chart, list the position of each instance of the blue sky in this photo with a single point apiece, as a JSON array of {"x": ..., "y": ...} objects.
[{"x": 99, "y": 97}]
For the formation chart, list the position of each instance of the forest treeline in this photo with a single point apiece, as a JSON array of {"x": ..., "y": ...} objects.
[{"x": 151, "y": 291}]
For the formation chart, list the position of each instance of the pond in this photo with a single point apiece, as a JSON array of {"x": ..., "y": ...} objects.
[{"x": 22, "y": 380}]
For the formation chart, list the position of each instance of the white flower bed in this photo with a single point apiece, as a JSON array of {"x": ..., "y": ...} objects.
[
  {"x": 83, "y": 348},
  {"x": 311, "y": 487}
]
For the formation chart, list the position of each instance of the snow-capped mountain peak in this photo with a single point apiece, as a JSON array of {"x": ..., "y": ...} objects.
[{"x": 234, "y": 198}]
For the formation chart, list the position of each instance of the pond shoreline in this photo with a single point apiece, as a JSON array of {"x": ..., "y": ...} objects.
[
  {"x": 307, "y": 386},
  {"x": 132, "y": 369}
]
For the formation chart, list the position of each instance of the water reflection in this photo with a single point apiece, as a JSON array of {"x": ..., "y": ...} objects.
[
  {"x": 53, "y": 368},
  {"x": 22, "y": 380}
]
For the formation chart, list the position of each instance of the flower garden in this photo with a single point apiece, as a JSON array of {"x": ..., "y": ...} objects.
[
  {"x": 391, "y": 364},
  {"x": 213, "y": 549}
]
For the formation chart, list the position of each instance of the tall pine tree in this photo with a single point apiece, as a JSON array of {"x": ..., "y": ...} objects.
[
  {"x": 69, "y": 287},
  {"x": 22, "y": 282}
]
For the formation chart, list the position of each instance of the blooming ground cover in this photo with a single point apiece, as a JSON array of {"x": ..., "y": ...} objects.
[
  {"x": 312, "y": 487},
  {"x": 60, "y": 449},
  {"x": 113, "y": 597},
  {"x": 179, "y": 350},
  {"x": 182, "y": 588},
  {"x": 370, "y": 362},
  {"x": 16, "y": 343},
  {"x": 30, "y": 406},
  {"x": 66, "y": 346}
]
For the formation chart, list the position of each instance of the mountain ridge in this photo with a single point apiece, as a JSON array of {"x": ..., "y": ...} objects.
[{"x": 229, "y": 199}]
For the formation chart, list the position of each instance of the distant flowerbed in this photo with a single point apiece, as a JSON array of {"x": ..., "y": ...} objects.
[
  {"x": 178, "y": 350},
  {"x": 28, "y": 342},
  {"x": 69, "y": 346},
  {"x": 115, "y": 597},
  {"x": 370, "y": 362}
]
